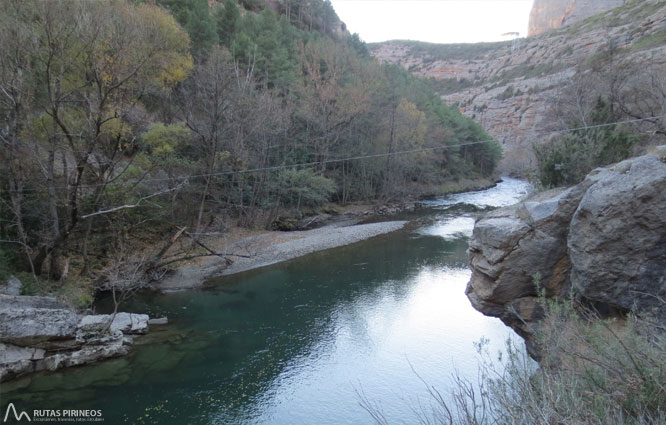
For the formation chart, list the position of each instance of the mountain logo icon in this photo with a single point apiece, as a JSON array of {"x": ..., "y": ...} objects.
[{"x": 17, "y": 416}]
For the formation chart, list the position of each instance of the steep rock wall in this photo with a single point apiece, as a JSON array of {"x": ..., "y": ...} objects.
[{"x": 547, "y": 15}]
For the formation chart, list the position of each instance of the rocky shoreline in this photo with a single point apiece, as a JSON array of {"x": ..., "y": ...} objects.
[
  {"x": 44, "y": 334},
  {"x": 335, "y": 230},
  {"x": 41, "y": 333}
]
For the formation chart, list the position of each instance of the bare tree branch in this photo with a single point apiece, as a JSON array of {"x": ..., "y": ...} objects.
[{"x": 123, "y": 207}]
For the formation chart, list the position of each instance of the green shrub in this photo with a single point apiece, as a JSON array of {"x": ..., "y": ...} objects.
[
  {"x": 568, "y": 159},
  {"x": 304, "y": 188},
  {"x": 78, "y": 294},
  {"x": 32, "y": 286}
]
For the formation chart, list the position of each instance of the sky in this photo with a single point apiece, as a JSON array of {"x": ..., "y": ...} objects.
[{"x": 435, "y": 21}]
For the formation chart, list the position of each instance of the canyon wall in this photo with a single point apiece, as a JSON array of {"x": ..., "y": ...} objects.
[
  {"x": 547, "y": 15},
  {"x": 510, "y": 87}
]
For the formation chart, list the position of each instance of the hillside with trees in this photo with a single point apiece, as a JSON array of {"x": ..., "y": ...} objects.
[{"x": 124, "y": 123}]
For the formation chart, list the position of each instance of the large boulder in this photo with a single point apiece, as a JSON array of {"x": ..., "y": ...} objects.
[
  {"x": 617, "y": 237},
  {"x": 604, "y": 240}
]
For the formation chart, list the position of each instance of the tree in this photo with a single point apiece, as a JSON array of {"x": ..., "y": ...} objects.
[
  {"x": 227, "y": 16},
  {"x": 196, "y": 19},
  {"x": 569, "y": 158},
  {"x": 298, "y": 188},
  {"x": 264, "y": 45},
  {"x": 334, "y": 93},
  {"x": 407, "y": 132},
  {"x": 92, "y": 61},
  {"x": 358, "y": 45},
  {"x": 201, "y": 27},
  {"x": 15, "y": 104},
  {"x": 207, "y": 98}
]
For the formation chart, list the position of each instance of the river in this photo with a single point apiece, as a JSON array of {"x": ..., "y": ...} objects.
[{"x": 297, "y": 342}]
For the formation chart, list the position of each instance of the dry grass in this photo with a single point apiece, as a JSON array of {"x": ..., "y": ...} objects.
[{"x": 593, "y": 372}]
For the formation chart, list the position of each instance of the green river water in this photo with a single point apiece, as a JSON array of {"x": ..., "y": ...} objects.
[{"x": 297, "y": 342}]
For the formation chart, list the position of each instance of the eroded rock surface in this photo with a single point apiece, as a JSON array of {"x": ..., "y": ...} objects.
[
  {"x": 128, "y": 323},
  {"x": 548, "y": 15},
  {"x": 41, "y": 333},
  {"x": 34, "y": 321},
  {"x": 617, "y": 237},
  {"x": 604, "y": 240}
]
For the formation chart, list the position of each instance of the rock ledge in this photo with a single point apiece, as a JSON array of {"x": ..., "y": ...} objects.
[{"x": 41, "y": 333}]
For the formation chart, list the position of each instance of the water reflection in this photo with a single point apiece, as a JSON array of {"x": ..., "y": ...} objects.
[
  {"x": 450, "y": 228},
  {"x": 290, "y": 343}
]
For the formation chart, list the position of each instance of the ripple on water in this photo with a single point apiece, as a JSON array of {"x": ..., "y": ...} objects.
[
  {"x": 505, "y": 193},
  {"x": 450, "y": 228}
]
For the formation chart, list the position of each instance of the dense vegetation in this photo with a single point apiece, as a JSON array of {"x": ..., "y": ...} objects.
[
  {"x": 611, "y": 109},
  {"x": 570, "y": 157},
  {"x": 126, "y": 122}
]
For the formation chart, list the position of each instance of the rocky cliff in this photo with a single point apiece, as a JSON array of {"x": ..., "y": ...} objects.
[
  {"x": 509, "y": 87},
  {"x": 547, "y": 15},
  {"x": 603, "y": 241}
]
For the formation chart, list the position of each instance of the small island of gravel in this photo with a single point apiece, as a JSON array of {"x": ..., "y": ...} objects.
[{"x": 273, "y": 247}]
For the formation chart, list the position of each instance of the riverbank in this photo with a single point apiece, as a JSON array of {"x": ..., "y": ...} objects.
[
  {"x": 270, "y": 247},
  {"x": 250, "y": 249}
]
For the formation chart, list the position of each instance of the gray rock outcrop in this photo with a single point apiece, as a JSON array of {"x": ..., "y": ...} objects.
[
  {"x": 28, "y": 321},
  {"x": 127, "y": 323},
  {"x": 603, "y": 240},
  {"x": 41, "y": 333},
  {"x": 548, "y": 15}
]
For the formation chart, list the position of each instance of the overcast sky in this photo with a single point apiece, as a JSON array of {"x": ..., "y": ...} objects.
[{"x": 436, "y": 21}]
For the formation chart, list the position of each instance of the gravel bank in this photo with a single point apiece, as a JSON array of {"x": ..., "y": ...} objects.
[{"x": 273, "y": 247}]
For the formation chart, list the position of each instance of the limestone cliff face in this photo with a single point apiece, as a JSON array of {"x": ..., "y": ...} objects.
[
  {"x": 603, "y": 240},
  {"x": 509, "y": 87},
  {"x": 547, "y": 15}
]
